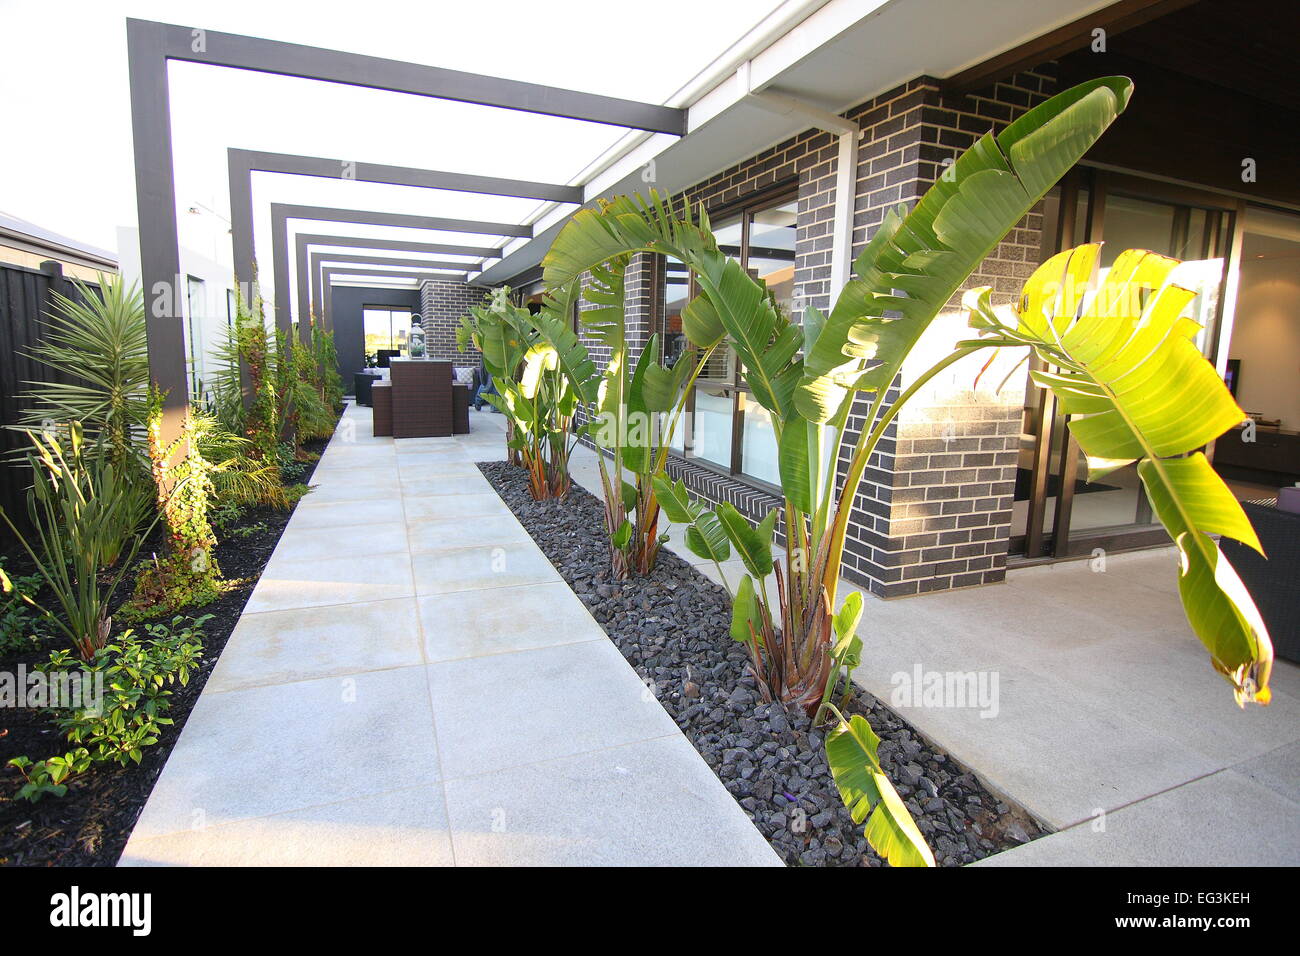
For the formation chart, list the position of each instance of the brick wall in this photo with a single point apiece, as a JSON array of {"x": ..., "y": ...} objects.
[
  {"x": 934, "y": 511},
  {"x": 442, "y": 303}
]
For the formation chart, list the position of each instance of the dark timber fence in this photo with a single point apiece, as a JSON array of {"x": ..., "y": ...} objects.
[{"x": 25, "y": 303}]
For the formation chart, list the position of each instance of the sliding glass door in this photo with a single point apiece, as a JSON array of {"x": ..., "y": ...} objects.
[
  {"x": 728, "y": 431},
  {"x": 1057, "y": 511}
]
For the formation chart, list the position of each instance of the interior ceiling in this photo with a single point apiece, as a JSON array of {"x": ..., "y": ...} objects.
[{"x": 1246, "y": 48}]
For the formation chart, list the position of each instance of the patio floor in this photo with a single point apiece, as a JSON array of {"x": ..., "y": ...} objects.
[
  {"x": 412, "y": 683},
  {"x": 1111, "y": 726},
  {"x": 383, "y": 701}
]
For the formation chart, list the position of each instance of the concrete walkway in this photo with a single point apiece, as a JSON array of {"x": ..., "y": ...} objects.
[
  {"x": 412, "y": 683},
  {"x": 1110, "y": 725}
]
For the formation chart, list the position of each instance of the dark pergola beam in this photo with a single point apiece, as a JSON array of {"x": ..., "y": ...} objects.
[
  {"x": 150, "y": 45},
  {"x": 407, "y": 263},
  {"x": 304, "y": 241},
  {"x": 376, "y": 73},
  {"x": 381, "y": 265},
  {"x": 281, "y": 213}
]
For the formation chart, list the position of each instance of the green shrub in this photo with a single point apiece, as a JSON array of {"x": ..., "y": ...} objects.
[
  {"x": 20, "y": 625},
  {"x": 138, "y": 674}
]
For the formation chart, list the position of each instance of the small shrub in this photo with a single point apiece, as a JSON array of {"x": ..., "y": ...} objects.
[
  {"x": 21, "y": 626},
  {"x": 248, "y": 530},
  {"x": 138, "y": 674},
  {"x": 87, "y": 515}
]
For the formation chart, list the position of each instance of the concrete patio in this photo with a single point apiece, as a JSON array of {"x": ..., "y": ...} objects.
[
  {"x": 1111, "y": 726},
  {"x": 412, "y": 683},
  {"x": 401, "y": 688}
]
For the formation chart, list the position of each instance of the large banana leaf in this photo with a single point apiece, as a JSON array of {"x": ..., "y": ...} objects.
[
  {"x": 915, "y": 263},
  {"x": 1137, "y": 389},
  {"x": 733, "y": 302},
  {"x": 864, "y": 788},
  {"x": 705, "y": 535}
]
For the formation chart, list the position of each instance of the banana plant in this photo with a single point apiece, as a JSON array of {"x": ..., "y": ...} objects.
[
  {"x": 534, "y": 391},
  {"x": 628, "y": 401},
  {"x": 1123, "y": 364},
  {"x": 809, "y": 376}
]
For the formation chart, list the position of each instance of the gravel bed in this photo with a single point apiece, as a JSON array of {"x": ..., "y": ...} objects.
[{"x": 673, "y": 628}]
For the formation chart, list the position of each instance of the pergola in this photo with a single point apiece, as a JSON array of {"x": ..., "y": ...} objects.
[
  {"x": 329, "y": 272},
  {"x": 242, "y": 163},
  {"x": 305, "y": 242},
  {"x": 281, "y": 213},
  {"x": 151, "y": 45}
]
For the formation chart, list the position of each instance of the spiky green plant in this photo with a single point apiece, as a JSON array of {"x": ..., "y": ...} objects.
[
  {"x": 87, "y": 516},
  {"x": 96, "y": 347}
]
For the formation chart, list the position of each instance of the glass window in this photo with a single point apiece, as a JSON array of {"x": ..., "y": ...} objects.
[
  {"x": 385, "y": 328},
  {"x": 762, "y": 239}
]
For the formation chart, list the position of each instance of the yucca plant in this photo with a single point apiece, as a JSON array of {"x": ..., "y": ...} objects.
[
  {"x": 1123, "y": 364},
  {"x": 87, "y": 516},
  {"x": 95, "y": 344}
]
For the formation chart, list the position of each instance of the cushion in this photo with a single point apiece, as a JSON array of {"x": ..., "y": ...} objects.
[{"x": 464, "y": 375}]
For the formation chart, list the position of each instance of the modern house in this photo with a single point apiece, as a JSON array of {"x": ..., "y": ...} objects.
[{"x": 808, "y": 138}]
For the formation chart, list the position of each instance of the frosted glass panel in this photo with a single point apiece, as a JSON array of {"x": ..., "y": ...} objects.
[
  {"x": 713, "y": 425},
  {"x": 758, "y": 443}
]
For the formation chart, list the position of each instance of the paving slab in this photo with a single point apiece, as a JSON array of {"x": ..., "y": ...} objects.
[
  {"x": 375, "y": 640},
  {"x": 401, "y": 828},
  {"x": 279, "y": 647},
  {"x": 1223, "y": 819},
  {"x": 464, "y": 624},
  {"x": 267, "y": 750},
  {"x": 481, "y": 728},
  {"x": 291, "y": 583},
  {"x": 651, "y": 803}
]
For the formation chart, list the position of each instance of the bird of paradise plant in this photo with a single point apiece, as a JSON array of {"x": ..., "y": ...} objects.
[{"x": 809, "y": 376}]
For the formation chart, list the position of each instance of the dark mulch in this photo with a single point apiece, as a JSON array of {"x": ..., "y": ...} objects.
[
  {"x": 90, "y": 825},
  {"x": 672, "y": 626}
]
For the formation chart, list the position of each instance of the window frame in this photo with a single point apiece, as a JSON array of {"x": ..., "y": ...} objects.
[{"x": 745, "y": 208}]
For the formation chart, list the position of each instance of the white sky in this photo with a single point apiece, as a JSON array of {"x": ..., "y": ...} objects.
[{"x": 66, "y": 164}]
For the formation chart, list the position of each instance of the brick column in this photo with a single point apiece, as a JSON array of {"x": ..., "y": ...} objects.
[
  {"x": 934, "y": 510},
  {"x": 442, "y": 303}
]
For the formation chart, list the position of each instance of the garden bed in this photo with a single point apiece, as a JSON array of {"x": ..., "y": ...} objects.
[
  {"x": 91, "y": 824},
  {"x": 672, "y": 627}
]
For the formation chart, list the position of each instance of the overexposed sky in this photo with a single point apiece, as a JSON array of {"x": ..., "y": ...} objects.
[{"x": 67, "y": 159}]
